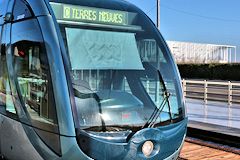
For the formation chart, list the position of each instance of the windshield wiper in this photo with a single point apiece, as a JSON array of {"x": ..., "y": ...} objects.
[{"x": 158, "y": 110}]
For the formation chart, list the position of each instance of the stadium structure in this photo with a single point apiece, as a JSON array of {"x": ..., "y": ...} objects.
[{"x": 187, "y": 52}]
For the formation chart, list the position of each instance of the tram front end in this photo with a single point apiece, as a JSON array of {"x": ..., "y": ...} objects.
[{"x": 126, "y": 87}]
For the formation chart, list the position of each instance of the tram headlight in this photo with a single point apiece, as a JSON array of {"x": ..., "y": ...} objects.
[{"x": 147, "y": 148}]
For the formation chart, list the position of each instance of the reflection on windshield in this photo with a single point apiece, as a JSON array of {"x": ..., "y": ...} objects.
[{"x": 118, "y": 98}]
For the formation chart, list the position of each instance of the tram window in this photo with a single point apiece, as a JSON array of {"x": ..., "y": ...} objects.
[
  {"x": 148, "y": 49},
  {"x": 33, "y": 75},
  {"x": 6, "y": 99},
  {"x": 140, "y": 80},
  {"x": 21, "y": 10}
]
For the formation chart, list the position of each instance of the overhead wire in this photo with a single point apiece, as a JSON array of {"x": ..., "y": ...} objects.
[
  {"x": 194, "y": 14},
  {"x": 150, "y": 10},
  {"x": 201, "y": 16}
]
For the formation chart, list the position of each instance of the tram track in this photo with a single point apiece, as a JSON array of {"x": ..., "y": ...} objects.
[
  {"x": 213, "y": 133},
  {"x": 213, "y": 145}
]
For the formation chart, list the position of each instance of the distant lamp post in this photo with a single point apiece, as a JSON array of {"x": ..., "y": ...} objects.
[{"x": 158, "y": 14}]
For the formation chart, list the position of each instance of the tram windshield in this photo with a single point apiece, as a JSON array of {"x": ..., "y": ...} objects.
[{"x": 120, "y": 68}]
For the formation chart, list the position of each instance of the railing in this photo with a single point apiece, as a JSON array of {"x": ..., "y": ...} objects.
[{"x": 228, "y": 92}]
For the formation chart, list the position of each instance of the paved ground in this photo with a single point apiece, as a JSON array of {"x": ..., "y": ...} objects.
[
  {"x": 215, "y": 113},
  {"x": 193, "y": 151},
  {"x": 215, "y": 117}
]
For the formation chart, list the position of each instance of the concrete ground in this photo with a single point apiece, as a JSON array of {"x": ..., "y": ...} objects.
[{"x": 214, "y": 116}]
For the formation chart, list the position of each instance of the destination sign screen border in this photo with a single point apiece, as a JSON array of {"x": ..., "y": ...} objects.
[{"x": 86, "y": 14}]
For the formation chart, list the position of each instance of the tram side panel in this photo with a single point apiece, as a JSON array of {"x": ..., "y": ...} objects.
[
  {"x": 18, "y": 138},
  {"x": 31, "y": 111},
  {"x": 14, "y": 143},
  {"x": 0, "y": 78}
]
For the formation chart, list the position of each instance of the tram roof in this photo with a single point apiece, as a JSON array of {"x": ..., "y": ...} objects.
[
  {"x": 107, "y": 4},
  {"x": 111, "y": 4}
]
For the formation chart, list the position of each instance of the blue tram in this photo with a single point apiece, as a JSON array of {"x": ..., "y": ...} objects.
[{"x": 86, "y": 79}]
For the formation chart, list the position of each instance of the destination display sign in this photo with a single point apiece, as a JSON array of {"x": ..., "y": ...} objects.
[{"x": 89, "y": 14}]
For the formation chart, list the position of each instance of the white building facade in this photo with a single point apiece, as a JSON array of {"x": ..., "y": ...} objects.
[{"x": 186, "y": 52}]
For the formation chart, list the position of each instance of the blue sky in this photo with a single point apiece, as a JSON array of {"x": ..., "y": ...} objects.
[{"x": 204, "y": 21}]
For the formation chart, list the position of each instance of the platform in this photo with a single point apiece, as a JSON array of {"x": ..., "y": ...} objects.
[
  {"x": 214, "y": 113},
  {"x": 215, "y": 121}
]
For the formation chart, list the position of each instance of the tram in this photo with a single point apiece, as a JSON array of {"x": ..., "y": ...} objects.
[{"x": 86, "y": 79}]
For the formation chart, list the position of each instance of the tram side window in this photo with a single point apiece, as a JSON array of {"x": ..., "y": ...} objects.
[
  {"x": 152, "y": 52},
  {"x": 33, "y": 75},
  {"x": 6, "y": 99}
]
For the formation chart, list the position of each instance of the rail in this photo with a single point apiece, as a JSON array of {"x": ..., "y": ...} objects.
[{"x": 212, "y": 91}]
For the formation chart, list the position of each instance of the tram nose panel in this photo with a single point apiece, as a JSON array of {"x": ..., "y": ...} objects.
[{"x": 148, "y": 143}]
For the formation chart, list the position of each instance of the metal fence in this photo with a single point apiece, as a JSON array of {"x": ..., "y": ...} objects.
[{"x": 228, "y": 92}]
